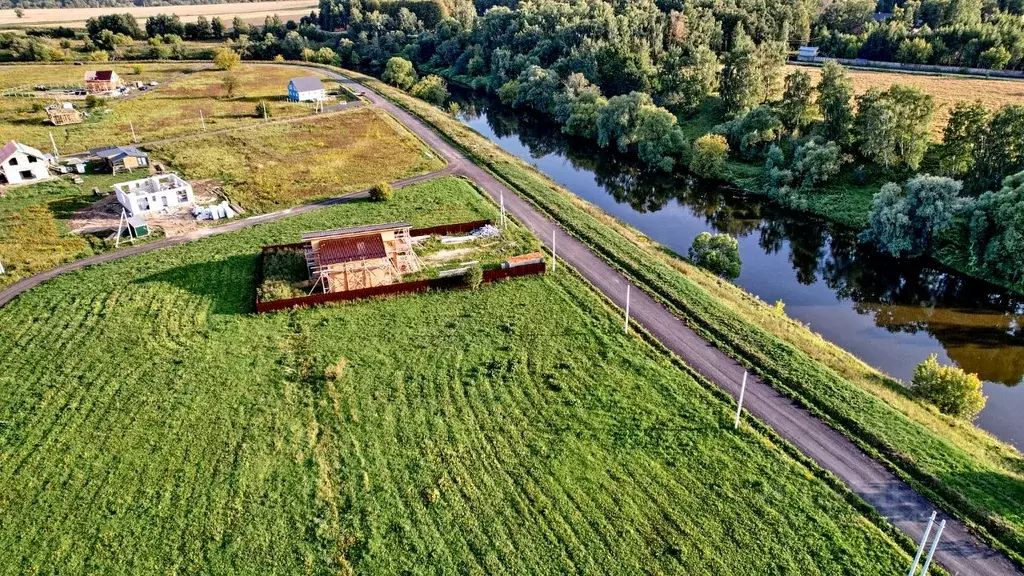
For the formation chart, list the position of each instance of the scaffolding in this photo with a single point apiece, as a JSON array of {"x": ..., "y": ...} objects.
[{"x": 398, "y": 259}]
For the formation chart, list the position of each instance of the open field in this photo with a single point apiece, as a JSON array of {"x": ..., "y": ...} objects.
[
  {"x": 947, "y": 90},
  {"x": 512, "y": 429},
  {"x": 253, "y": 12},
  {"x": 282, "y": 165},
  {"x": 971, "y": 473},
  {"x": 169, "y": 110}
]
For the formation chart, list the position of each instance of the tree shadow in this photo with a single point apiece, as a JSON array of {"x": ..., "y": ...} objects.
[{"x": 228, "y": 284}]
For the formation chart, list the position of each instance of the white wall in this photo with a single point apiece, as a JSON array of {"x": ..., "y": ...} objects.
[{"x": 39, "y": 169}]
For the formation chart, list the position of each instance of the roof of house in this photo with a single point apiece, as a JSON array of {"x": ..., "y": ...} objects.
[
  {"x": 350, "y": 249},
  {"x": 115, "y": 153},
  {"x": 307, "y": 83},
  {"x": 355, "y": 230},
  {"x": 103, "y": 75},
  {"x": 13, "y": 148}
]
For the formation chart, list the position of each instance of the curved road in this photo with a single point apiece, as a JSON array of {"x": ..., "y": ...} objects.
[{"x": 960, "y": 552}]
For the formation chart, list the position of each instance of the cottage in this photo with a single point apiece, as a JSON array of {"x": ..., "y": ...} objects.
[
  {"x": 101, "y": 81},
  {"x": 807, "y": 53},
  {"x": 20, "y": 163},
  {"x": 121, "y": 158},
  {"x": 361, "y": 257},
  {"x": 306, "y": 89},
  {"x": 154, "y": 193}
]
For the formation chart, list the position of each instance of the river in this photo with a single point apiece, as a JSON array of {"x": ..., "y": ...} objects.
[{"x": 892, "y": 313}]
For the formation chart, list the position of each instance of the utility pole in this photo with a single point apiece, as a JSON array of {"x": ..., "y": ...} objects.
[
  {"x": 201, "y": 119},
  {"x": 553, "y": 257},
  {"x": 920, "y": 548},
  {"x": 134, "y": 138},
  {"x": 625, "y": 327},
  {"x": 931, "y": 551},
  {"x": 2, "y": 271},
  {"x": 56, "y": 154},
  {"x": 503, "y": 209},
  {"x": 739, "y": 405}
]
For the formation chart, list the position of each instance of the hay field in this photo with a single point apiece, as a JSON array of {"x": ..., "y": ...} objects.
[
  {"x": 169, "y": 110},
  {"x": 76, "y": 17},
  {"x": 508, "y": 430},
  {"x": 271, "y": 167},
  {"x": 947, "y": 90}
]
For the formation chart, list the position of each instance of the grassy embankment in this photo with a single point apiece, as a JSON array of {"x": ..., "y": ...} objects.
[
  {"x": 152, "y": 424},
  {"x": 166, "y": 111},
  {"x": 956, "y": 464},
  {"x": 266, "y": 168}
]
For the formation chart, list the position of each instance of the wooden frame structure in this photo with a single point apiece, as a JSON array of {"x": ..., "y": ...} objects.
[
  {"x": 358, "y": 258},
  {"x": 62, "y": 115}
]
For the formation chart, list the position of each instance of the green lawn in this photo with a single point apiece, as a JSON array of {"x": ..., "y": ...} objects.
[
  {"x": 151, "y": 423},
  {"x": 956, "y": 464}
]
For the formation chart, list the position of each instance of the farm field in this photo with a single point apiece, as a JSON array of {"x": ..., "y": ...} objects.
[
  {"x": 947, "y": 90},
  {"x": 282, "y": 165},
  {"x": 169, "y": 110},
  {"x": 76, "y": 17},
  {"x": 509, "y": 429}
]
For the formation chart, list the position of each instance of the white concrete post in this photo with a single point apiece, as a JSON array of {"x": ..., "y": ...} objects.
[
  {"x": 503, "y": 209},
  {"x": 739, "y": 404},
  {"x": 625, "y": 327},
  {"x": 2, "y": 271},
  {"x": 56, "y": 154},
  {"x": 201, "y": 119},
  {"x": 931, "y": 551},
  {"x": 134, "y": 138},
  {"x": 553, "y": 257},
  {"x": 920, "y": 548}
]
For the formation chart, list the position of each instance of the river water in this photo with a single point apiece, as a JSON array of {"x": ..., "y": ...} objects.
[{"x": 892, "y": 313}]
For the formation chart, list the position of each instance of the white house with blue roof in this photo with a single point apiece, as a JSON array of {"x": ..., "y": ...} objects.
[{"x": 306, "y": 89}]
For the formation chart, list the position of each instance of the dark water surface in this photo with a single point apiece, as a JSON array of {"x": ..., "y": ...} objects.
[{"x": 892, "y": 313}]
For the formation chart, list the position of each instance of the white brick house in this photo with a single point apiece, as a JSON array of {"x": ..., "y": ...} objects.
[
  {"x": 153, "y": 193},
  {"x": 20, "y": 164}
]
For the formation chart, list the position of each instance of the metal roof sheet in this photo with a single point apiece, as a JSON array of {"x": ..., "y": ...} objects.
[
  {"x": 307, "y": 84},
  {"x": 13, "y": 147},
  {"x": 350, "y": 249},
  {"x": 355, "y": 230}
]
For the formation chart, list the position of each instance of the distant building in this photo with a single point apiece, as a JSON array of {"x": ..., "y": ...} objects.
[
  {"x": 807, "y": 53},
  {"x": 20, "y": 164},
  {"x": 306, "y": 89},
  {"x": 121, "y": 158},
  {"x": 154, "y": 193},
  {"x": 63, "y": 114},
  {"x": 361, "y": 257},
  {"x": 101, "y": 81}
]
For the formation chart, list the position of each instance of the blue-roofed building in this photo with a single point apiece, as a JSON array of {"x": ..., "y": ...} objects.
[{"x": 120, "y": 158}]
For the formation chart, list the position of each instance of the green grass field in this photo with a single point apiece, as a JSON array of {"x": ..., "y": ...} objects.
[
  {"x": 150, "y": 423},
  {"x": 169, "y": 110},
  {"x": 281, "y": 165},
  {"x": 953, "y": 462}
]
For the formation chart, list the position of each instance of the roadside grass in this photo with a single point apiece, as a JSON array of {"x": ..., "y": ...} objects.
[
  {"x": 33, "y": 225},
  {"x": 959, "y": 466},
  {"x": 169, "y": 110},
  {"x": 151, "y": 423},
  {"x": 947, "y": 90},
  {"x": 286, "y": 164}
]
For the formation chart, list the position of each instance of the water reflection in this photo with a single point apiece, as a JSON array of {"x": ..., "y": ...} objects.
[{"x": 915, "y": 307}]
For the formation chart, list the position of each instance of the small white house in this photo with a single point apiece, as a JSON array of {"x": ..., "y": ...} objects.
[
  {"x": 153, "y": 193},
  {"x": 20, "y": 164},
  {"x": 807, "y": 53},
  {"x": 306, "y": 89}
]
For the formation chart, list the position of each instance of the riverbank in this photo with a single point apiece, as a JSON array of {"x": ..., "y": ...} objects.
[{"x": 956, "y": 464}]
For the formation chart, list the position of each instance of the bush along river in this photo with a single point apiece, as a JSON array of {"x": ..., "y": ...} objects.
[{"x": 892, "y": 313}]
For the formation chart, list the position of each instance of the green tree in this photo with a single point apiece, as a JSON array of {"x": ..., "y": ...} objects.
[
  {"x": 400, "y": 73},
  {"x": 835, "y": 96},
  {"x": 717, "y": 253},
  {"x": 217, "y": 27},
  {"x": 815, "y": 164},
  {"x": 230, "y": 84},
  {"x": 995, "y": 58},
  {"x": 1001, "y": 149},
  {"x": 617, "y": 121},
  {"x": 914, "y": 51},
  {"x": 584, "y": 111},
  {"x": 964, "y": 132},
  {"x": 226, "y": 59},
  {"x": 707, "y": 159},
  {"x": 432, "y": 89},
  {"x": 949, "y": 388},
  {"x": 904, "y": 222},
  {"x": 741, "y": 80},
  {"x": 381, "y": 192},
  {"x": 754, "y": 132},
  {"x": 797, "y": 100},
  {"x": 263, "y": 109},
  {"x": 893, "y": 126},
  {"x": 686, "y": 80},
  {"x": 997, "y": 231}
]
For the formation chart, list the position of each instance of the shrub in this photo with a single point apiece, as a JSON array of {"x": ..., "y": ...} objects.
[
  {"x": 949, "y": 388},
  {"x": 399, "y": 73},
  {"x": 433, "y": 89},
  {"x": 138, "y": 69},
  {"x": 263, "y": 109},
  {"x": 717, "y": 253},
  {"x": 93, "y": 101},
  {"x": 226, "y": 59},
  {"x": 708, "y": 157},
  {"x": 381, "y": 192},
  {"x": 99, "y": 56},
  {"x": 474, "y": 276}
]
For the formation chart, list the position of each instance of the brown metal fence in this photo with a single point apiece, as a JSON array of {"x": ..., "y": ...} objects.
[
  {"x": 446, "y": 229},
  {"x": 448, "y": 283}
]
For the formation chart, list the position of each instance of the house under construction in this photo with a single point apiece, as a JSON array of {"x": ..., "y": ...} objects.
[
  {"x": 361, "y": 257},
  {"x": 61, "y": 114}
]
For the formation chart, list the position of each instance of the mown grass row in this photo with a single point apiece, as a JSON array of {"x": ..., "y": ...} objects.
[
  {"x": 969, "y": 472},
  {"x": 149, "y": 422}
]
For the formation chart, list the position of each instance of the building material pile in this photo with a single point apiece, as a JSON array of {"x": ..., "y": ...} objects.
[{"x": 215, "y": 212}]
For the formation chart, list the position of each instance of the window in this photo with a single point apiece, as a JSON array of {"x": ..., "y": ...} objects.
[
  {"x": 182, "y": 195},
  {"x": 32, "y": 159},
  {"x": 14, "y": 161},
  {"x": 163, "y": 200},
  {"x": 143, "y": 203},
  {"x": 27, "y": 175}
]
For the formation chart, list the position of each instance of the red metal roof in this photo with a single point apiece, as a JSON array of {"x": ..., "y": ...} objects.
[
  {"x": 352, "y": 249},
  {"x": 103, "y": 74}
]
